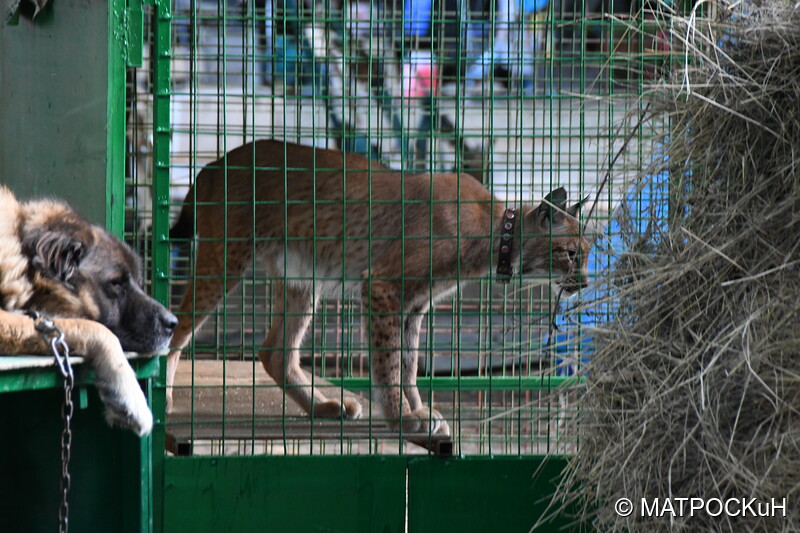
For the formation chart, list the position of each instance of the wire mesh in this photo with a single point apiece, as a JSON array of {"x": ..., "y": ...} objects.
[{"x": 524, "y": 96}]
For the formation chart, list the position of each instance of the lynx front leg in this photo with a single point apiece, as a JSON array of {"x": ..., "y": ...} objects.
[
  {"x": 205, "y": 291},
  {"x": 393, "y": 373},
  {"x": 280, "y": 355},
  {"x": 409, "y": 370}
]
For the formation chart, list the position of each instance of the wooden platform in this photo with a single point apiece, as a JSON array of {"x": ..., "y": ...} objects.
[{"x": 237, "y": 400}]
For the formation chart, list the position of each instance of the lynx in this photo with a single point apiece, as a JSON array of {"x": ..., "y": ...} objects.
[{"x": 326, "y": 223}]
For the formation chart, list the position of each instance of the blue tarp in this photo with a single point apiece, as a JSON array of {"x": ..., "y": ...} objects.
[{"x": 645, "y": 205}]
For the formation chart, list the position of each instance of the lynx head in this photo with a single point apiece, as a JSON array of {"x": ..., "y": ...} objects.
[{"x": 553, "y": 246}]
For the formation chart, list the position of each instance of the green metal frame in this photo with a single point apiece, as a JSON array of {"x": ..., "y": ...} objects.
[
  {"x": 369, "y": 492},
  {"x": 111, "y": 469}
]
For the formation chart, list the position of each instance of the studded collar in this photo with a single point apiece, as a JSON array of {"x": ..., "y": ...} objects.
[{"x": 504, "y": 267}]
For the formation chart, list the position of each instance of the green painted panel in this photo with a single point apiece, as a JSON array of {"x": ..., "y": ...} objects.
[
  {"x": 107, "y": 475},
  {"x": 48, "y": 377},
  {"x": 62, "y": 107},
  {"x": 480, "y": 495},
  {"x": 298, "y": 494}
]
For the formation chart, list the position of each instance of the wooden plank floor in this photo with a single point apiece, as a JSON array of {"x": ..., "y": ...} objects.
[{"x": 237, "y": 400}]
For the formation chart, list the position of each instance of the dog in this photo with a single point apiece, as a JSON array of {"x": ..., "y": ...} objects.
[{"x": 54, "y": 262}]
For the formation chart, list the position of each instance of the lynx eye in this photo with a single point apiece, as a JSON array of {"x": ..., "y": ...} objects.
[{"x": 573, "y": 255}]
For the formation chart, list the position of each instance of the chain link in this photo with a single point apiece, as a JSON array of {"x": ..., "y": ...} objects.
[{"x": 55, "y": 337}]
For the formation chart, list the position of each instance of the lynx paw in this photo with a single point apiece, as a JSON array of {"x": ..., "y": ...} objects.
[
  {"x": 427, "y": 421},
  {"x": 349, "y": 410},
  {"x": 127, "y": 408},
  {"x": 169, "y": 400}
]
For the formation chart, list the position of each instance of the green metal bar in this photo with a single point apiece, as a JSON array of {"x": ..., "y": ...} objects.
[
  {"x": 253, "y": 311},
  {"x": 157, "y": 393},
  {"x": 222, "y": 83},
  {"x": 161, "y": 150},
  {"x": 458, "y": 383},
  {"x": 48, "y": 377},
  {"x": 135, "y": 35},
  {"x": 149, "y": 455},
  {"x": 115, "y": 112},
  {"x": 192, "y": 134}
]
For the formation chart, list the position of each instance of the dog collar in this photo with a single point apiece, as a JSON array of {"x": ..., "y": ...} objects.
[{"x": 504, "y": 267}]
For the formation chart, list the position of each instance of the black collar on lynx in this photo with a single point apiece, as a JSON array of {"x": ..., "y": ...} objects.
[{"x": 504, "y": 268}]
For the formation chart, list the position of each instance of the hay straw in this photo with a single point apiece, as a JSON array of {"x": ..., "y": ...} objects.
[{"x": 694, "y": 389}]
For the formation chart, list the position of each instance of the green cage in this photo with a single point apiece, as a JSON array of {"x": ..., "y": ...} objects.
[{"x": 525, "y": 97}]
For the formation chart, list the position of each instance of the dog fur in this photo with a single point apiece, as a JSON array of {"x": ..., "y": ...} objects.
[{"x": 89, "y": 283}]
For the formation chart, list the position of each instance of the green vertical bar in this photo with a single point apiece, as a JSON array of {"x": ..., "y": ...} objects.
[
  {"x": 161, "y": 138},
  {"x": 158, "y": 403},
  {"x": 160, "y": 57},
  {"x": 147, "y": 456},
  {"x": 115, "y": 133},
  {"x": 135, "y": 35}
]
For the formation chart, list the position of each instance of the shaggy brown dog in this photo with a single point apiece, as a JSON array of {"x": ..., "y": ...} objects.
[{"x": 88, "y": 281}]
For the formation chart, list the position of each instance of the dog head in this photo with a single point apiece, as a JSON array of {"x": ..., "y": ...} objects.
[
  {"x": 81, "y": 271},
  {"x": 553, "y": 244}
]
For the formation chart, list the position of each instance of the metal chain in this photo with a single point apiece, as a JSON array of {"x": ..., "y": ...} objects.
[{"x": 55, "y": 337}]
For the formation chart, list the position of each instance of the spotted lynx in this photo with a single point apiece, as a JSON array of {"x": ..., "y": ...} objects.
[{"x": 352, "y": 226}]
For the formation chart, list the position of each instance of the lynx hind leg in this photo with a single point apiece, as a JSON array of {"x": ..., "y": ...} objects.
[
  {"x": 280, "y": 355},
  {"x": 410, "y": 360},
  {"x": 391, "y": 370},
  {"x": 205, "y": 291}
]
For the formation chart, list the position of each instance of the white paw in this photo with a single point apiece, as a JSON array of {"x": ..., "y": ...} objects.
[
  {"x": 349, "y": 410},
  {"x": 427, "y": 421},
  {"x": 127, "y": 407}
]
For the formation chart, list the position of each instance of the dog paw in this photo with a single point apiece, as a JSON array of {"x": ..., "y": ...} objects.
[
  {"x": 426, "y": 421},
  {"x": 127, "y": 408},
  {"x": 349, "y": 410}
]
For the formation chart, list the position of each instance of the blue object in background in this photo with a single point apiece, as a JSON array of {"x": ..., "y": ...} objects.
[
  {"x": 417, "y": 17},
  {"x": 572, "y": 345},
  {"x": 532, "y": 6}
]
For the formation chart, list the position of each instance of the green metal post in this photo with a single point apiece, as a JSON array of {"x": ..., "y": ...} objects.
[
  {"x": 161, "y": 140},
  {"x": 115, "y": 138}
]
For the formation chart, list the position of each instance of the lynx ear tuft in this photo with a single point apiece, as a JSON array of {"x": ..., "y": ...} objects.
[
  {"x": 557, "y": 198},
  {"x": 574, "y": 209}
]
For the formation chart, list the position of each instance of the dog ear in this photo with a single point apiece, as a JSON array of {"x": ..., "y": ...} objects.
[{"x": 57, "y": 254}]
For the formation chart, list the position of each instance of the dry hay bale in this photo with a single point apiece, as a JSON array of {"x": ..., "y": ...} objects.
[{"x": 694, "y": 389}]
